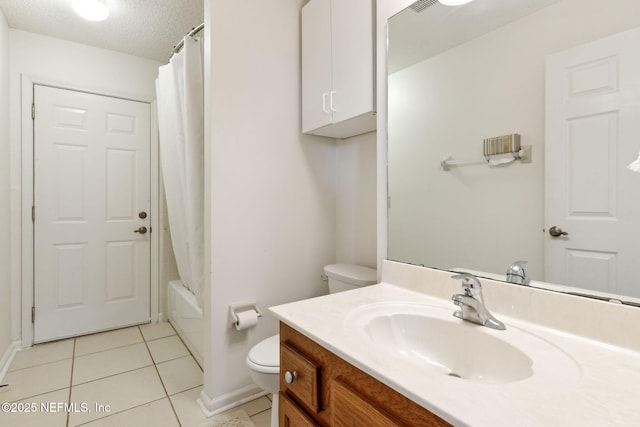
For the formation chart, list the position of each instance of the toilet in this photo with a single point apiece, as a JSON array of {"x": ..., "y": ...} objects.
[{"x": 263, "y": 359}]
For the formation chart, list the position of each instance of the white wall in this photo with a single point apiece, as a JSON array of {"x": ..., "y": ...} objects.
[
  {"x": 46, "y": 59},
  {"x": 356, "y": 200},
  {"x": 271, "y": 199},
  {"x": 81, "y": 65},
  {"x": 5, "y": 221},
  {"x": 446, "y": 105}
]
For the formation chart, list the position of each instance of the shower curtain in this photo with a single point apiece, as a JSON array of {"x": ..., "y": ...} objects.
[{"x": 179, "y": 89}]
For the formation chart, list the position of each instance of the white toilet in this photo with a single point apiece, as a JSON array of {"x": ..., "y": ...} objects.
[{"x": 263, "y": 359}]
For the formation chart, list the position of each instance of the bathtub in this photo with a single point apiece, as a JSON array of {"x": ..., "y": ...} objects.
[{"x": 187, "y": 318}]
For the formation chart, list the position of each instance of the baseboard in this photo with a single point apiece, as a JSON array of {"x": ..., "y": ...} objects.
[
  {"x": 7, "y": 358},
  {"x": 161, "y": 318},
  {"x": 228, "y": 401}
]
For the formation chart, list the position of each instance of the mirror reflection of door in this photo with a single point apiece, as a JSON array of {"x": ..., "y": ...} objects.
[
  {"x": 91, "y": 182},
  {"x": 454, "y": 79},
  {"x": 592, "y": 133}
]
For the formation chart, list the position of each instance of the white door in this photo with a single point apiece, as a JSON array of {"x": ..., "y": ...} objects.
[
  {"x": 91, "y": 195},
  {"x": 592, "y": 133}
]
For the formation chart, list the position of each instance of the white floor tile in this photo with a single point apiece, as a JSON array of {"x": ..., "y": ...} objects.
[
  {"x": 154, "y": 331},
  {"x": 180, "y": 374},
  {"x": 37, "y": 380},
  {"x": 256, "y": 406},
  {"x": 120, "y": 392},
  {"x": 44, "y": 415},
  {"x": 155, "y": 414},
  {"x": 114, "y": 368},
  {"x": 42, "y": 353},
  {"x": 107, "y": 340},
  {"x": 187, "y": 408},
  {"x": 110, "y": 362},
  {"x": 263, "y": 419},
  {"x": 169, "y": 348}
]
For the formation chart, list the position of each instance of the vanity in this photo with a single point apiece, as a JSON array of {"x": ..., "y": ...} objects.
[
  {"x": 394, "y": 353},
  {"x": 319, "y": 387}
]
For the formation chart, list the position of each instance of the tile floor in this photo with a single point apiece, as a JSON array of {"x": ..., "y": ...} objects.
[{"x": 145, "y": 375}]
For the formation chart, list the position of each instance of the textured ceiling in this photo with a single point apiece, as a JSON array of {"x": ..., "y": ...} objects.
[{"x": 145, "y": 28}]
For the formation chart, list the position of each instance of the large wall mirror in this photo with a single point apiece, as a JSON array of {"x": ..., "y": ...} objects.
[{"x": 563, "y": 75}]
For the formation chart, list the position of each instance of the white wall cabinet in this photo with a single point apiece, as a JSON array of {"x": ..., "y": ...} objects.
[{"x": 338, "y": 72}]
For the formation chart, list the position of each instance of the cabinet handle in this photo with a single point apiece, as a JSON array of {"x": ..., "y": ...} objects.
[
  {"x": 333, "y": 92},
  {"x": 324, "y": 102},
  {"x": 289, "y": 377}
]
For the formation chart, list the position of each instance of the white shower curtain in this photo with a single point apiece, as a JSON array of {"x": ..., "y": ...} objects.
[{"x": 179, "y": 89}]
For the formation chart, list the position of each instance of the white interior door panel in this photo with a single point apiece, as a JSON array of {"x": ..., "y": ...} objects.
[{"x": 91, "y": 182}]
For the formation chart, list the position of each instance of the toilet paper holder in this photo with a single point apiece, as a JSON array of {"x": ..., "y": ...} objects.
[{"x": 237, "y": 307}]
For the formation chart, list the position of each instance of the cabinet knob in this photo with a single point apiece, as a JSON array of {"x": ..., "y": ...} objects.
[{"x": 289, "y": 377}]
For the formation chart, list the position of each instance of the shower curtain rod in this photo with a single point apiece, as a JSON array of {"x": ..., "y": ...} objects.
[{"x": 193, "y": 32}]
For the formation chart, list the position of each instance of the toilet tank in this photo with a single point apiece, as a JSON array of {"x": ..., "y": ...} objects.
[{"x": 344, "y": 277}]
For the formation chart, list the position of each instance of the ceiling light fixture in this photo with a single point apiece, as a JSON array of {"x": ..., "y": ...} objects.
[
  {"x": 454, "y": 2},
  {"x": 92, "y": 10}
]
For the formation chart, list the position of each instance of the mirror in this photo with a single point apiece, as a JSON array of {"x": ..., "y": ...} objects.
[{"x": 535, "y": 68}]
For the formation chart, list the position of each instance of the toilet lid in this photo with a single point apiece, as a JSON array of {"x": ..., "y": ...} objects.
[
  {"x": 353, "y": 274},
  {"x": 266, "y": 352}
]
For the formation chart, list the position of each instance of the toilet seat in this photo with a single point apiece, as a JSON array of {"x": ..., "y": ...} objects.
[{"x": 265, "y": 356}]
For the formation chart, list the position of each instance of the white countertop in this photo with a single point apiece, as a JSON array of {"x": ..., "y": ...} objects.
[{"x": 597, "y": 384}]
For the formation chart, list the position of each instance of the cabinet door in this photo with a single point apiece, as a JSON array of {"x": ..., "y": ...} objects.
[
  {"x": 351, "y": 410},
  {"x": 352, "y": 53},
  {"x": 316, "y": 64},
  {"x": 292, "y": 416}
]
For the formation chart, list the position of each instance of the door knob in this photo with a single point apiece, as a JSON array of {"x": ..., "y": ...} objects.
[
  {"x": 141, "y": 230},
  {"x": 557, "y": 232}
]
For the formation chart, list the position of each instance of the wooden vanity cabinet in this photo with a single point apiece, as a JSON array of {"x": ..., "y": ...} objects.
[
  {"x": 328, "y": 391},
  {"x": 291, "y": 415}
]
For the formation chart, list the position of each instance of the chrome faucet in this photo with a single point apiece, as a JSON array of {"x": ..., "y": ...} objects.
[
  {"x": 517, "y": 275},
  {"x": 471, "y": 303}
]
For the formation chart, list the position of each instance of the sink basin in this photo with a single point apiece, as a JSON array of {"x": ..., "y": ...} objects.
[
  {"x": 458, "y": 350},
  {"x": 429, "y": 337}
]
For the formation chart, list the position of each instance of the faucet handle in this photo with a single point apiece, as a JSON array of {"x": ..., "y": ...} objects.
[
  {"x": 470, "y": 284},
  {"x": 517, "y": 275}
]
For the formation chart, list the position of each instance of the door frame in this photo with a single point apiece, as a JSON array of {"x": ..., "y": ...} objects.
[{"x": 27, "y": 188}]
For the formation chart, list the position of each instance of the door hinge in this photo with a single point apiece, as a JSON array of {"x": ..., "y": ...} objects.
[
  {"x": 33, "y": 111},
  {"x": 33, "y": 214},
  {"x": 33, "y": 314},
  {"x": 150, "y": 229},
  {"x": 389, "y": 202}
]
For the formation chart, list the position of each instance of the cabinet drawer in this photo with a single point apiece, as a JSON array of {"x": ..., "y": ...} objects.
[
  {"x": 291, "y": 415},
  {"x": 303, "y": 374},
  {"x": 349, "y": 409}
]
